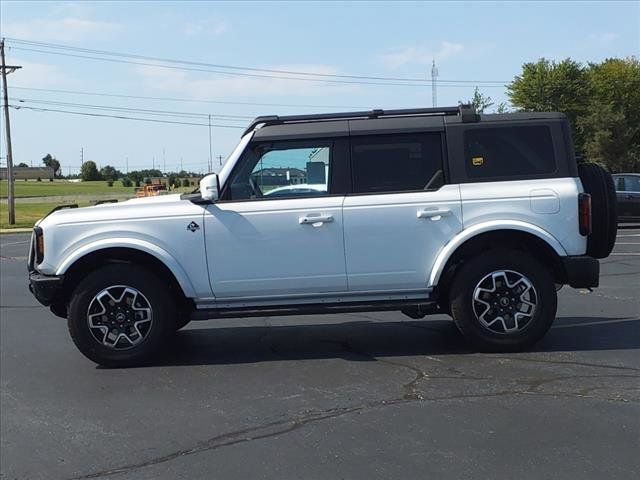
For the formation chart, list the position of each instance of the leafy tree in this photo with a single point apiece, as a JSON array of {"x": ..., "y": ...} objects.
[
  {"x": 126, "y": 182},
  {"x": 502, "y": 108},
  {"x": 549, "y": 86},
  {"x": 185, "y": 182},
  {"x": 51, "y": 162},
  {"x": 110, "y": 173},
  {"x": 172, "y": 178},
  {"x": 89, "y": 171},
  {"x": 479, "y": 101},
  {"x": 22, "y": 165},
  {"x": 140, "y": 175},
  {"x": 612, "y": 126}
]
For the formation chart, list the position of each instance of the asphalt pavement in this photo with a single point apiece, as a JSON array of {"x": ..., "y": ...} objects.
[{"x": 355, "y": 396}]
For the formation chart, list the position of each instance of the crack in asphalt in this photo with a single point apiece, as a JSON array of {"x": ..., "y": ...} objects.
[
  {"x": 411, "y": 394},
  {"x": 287, "y": 425}
]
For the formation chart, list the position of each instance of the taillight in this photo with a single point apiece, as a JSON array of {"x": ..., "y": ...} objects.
[
  {"x": 584, "y": 213},
  {"x": 39, "y": 244}
]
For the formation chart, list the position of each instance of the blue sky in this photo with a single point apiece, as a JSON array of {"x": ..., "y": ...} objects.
[{"x": 469, "y": 41}]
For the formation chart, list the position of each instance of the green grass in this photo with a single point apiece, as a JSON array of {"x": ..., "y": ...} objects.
[
  {"x": 46, "y": 188},
  {"x": 27, "y": 213}
]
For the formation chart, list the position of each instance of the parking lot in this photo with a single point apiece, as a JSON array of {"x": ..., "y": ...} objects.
[{"x": 323, "y": 397}]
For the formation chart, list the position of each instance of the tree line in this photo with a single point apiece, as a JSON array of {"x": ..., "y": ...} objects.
[{"x": 89, "y": 171}]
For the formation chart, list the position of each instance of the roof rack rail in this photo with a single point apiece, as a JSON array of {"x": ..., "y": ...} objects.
[{"x": 466, "y": 111}]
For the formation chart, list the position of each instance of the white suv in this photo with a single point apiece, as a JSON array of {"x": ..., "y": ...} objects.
[{"x": 424, "y": 211}]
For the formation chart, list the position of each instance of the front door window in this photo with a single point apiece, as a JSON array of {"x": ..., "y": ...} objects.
[{"x": 283, "y": 170}]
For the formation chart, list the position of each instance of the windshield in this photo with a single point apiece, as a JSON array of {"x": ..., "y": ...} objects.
[{"x": 231, "y": 160}]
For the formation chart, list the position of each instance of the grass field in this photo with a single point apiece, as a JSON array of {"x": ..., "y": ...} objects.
[
  {"x": 62, "y": 187},
  {"x": 27, "y": 213}
]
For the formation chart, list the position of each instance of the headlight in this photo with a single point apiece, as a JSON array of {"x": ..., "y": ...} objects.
[{"x": 39, "y": 244}]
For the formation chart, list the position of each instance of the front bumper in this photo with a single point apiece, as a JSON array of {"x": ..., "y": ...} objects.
[
  {"x": 582, "y": 271},
  {"x": 44, "y": 287}
]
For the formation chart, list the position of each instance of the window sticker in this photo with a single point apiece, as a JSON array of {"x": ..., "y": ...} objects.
[{"x": 477, "y": 161}]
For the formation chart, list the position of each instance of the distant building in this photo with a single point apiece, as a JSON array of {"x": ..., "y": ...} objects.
[
  {"x": 28, "y": 173},
  {"x": 280, "y": 176}
]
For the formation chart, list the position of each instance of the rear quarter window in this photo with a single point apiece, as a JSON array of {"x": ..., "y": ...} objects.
[{"x": 504, "y": 152}]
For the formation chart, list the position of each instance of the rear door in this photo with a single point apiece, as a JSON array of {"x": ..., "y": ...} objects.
[{"x": 400, "y": 212}]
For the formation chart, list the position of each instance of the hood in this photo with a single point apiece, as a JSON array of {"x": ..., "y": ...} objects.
[{"x": 145, "y": 207}]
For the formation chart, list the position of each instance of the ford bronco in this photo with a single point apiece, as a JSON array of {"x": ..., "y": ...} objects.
[{"x": 435, "y": 210}]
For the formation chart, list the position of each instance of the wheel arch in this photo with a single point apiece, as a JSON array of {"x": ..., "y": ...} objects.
[
  {"x": 516, "y": 235},
  {"x": 88, "y": 258}
]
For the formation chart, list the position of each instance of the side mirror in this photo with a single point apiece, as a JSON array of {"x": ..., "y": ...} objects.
[{"x": 210, "y": 187}]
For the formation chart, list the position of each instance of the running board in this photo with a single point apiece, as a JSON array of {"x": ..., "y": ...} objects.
[{"x": 419, "y": 308}]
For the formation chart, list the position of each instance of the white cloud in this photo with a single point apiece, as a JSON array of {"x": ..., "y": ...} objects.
[
  {"x": 421, "y": 55},
  {"x": 605, "y": 38},
  {"x": 67, "y": 29},
  {"x": 206, "y": 28},
  {"x": 218, "y": 85},
  {"x": 38, "y": 75}
]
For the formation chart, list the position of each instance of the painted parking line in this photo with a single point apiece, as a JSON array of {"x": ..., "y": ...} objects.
[
  {"x": 601, "y": 322},
  {"x": 13, "y": 243}
]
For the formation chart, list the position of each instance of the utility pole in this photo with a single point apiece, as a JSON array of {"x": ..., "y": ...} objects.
[
  {"x": 434, "y": 91},
  {"x": 81, "y": 157},
  {"x": 220, "y": 159},
  {"x": 164, "y": 162},
  {"x": 11, "y": 192},
  {"x": 210, "y": 155},
  {"x": 126, "y": 162}
]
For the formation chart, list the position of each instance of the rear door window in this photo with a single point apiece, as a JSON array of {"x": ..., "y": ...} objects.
[
  {"x": 504, "y": 152},
  {"x": 397, "y": 163},
  {"x": 631, "y": 183}
]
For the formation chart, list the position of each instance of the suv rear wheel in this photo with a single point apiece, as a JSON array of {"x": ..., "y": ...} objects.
[
  {"x": 503, "y": 301},
  {"x": 121, "y": 315}
]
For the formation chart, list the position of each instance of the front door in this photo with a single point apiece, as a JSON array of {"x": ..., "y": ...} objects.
[
  {"x": 278, "y": 230},
  {"x": 400, "y": 213}
]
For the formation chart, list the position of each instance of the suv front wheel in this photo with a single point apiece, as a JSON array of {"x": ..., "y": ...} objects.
[
  {"x": 121, "y": 315},
  {"x": 503, "y": 301}
]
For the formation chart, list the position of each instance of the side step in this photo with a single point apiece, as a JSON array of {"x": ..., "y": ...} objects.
[{"x": 411, "y": 308}]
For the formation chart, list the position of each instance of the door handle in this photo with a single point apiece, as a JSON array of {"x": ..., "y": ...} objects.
[
  {"x": 307, "y": 220},
  {"x": 434, "y": 214}
]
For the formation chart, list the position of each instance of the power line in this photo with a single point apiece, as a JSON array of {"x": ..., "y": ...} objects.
[
  {"x": 237, "y": 74},
  {"x": 144, "y": 111},
  {"x": 235, "y": 67},
  {"x": 185, "y": 100},
  {"x": 121, "y": 117}
]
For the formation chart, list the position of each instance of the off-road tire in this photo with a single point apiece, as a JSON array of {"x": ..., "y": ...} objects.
[
  {"x": 598, "y": 183},
  {"x": 156, "y": 292},
  {"x": 474, "y": 271}
]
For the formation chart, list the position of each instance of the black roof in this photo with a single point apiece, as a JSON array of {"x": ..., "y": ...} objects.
[{"x": 404, "y": 120}]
